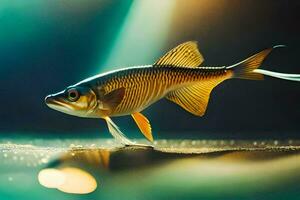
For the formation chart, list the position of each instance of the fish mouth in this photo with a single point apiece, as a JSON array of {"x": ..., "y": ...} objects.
[{"x": 52, "y": 102}]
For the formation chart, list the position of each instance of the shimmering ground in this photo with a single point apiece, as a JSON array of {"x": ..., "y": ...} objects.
[{"x": 40, "y": 151}]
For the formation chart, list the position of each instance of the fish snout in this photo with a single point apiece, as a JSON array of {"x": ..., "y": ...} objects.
[
  {"x": 49, "y": 99},
  {"x": 55, "y": 102},
  {"x": 54, "y": 98}
]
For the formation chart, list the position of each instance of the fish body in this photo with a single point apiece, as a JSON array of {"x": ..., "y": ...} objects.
[
  {"x": 144, "y": 85},
  {"x": 177, "y": 76}
]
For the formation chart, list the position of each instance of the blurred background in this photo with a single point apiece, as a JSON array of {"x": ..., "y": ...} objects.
[{"x": 47, "y": 45}]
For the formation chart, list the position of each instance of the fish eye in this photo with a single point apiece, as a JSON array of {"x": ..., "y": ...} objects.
[{"x": 73, "y": 94}]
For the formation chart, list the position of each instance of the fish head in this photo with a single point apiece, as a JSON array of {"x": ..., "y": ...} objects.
[{"x": 75, "y": 100}]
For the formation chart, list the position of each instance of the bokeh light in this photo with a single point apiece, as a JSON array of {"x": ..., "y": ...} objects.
[{"x": 68, "y": 179}]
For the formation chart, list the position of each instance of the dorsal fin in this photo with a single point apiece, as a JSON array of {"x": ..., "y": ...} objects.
[
  {"x": 184, "y": 55},
  {"x": 194, "y": 98}
]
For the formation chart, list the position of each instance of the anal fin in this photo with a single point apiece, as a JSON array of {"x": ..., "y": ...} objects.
[
  {"x": 194, "y": 98},
  {"x": 143, "y": 124}
]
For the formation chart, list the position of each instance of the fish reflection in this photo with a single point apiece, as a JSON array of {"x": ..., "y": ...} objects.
[
  {"x": 77, "y": 171},
  {"x": 83, "y": 171}
]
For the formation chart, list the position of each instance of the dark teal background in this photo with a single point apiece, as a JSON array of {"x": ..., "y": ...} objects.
[{"x": 48, "y": 45}]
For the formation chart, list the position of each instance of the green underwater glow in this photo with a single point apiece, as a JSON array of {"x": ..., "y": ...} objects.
[{"x": 142, "y": 34}]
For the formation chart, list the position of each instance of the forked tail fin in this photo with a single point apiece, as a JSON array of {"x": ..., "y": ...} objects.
[{"x": 245, "y": 69}]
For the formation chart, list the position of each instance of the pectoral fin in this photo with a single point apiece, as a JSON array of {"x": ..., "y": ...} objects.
[
  {"x": 143, "y": 124},
  {"x": 112, "y": 99}
]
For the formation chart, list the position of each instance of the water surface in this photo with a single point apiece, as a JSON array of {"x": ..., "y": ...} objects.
[{"x": 172, "y": 169}]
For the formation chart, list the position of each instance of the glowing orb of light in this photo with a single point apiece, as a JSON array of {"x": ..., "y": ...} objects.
[
  {"x": 51, "y": 178},
  {"x": 77, "y": 181},
  {"x": 68, "y": 179}
]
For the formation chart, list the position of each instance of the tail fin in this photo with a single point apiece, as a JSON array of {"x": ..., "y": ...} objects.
[{"x": 245, "y": 69}]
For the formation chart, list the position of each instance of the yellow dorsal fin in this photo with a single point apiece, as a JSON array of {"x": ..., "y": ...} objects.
[
  {"x": 184, "y": 55},
  {"x": 143, "y": 124},
  {"x": 194, "y": 98}
]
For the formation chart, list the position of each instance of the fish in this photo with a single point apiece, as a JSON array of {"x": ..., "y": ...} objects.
[{"x": 177, "y": 76}]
